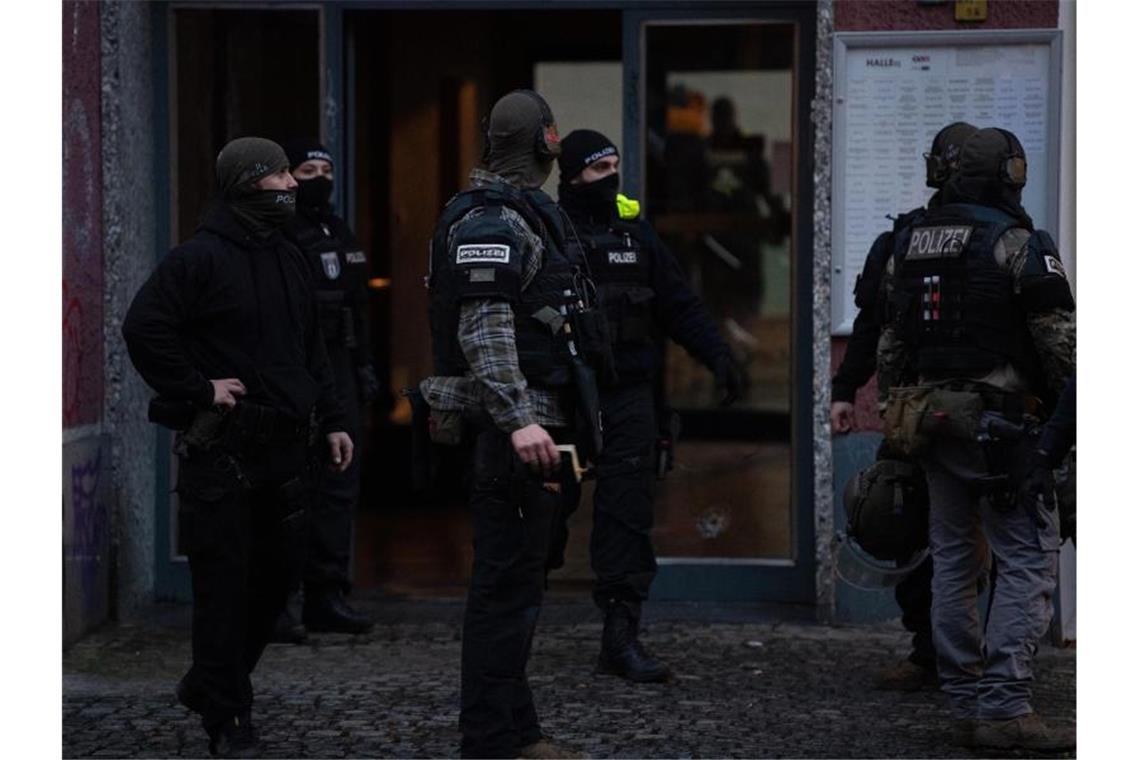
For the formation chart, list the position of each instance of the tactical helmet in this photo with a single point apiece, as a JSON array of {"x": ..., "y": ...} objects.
[
  {"x": 888, "y": 509},
  {"x": 945, "y": 152}
]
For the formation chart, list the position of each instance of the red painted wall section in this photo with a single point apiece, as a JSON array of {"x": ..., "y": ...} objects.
[
  {"x": 82, "y": 217},
  {"x": 889, "y": 15}
]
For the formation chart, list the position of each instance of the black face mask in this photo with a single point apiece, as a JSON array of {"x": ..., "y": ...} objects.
[
  {"x": 595, "y": 200},
  {"x": 314, "y": 193},
  {"x": 264, "y": 211}
]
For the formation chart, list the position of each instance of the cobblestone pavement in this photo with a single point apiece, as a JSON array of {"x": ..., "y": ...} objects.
[{"x": 748, "y": 683}]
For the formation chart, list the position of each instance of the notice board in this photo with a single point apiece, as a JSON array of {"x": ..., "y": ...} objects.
[{"x": 894, "y": 91}]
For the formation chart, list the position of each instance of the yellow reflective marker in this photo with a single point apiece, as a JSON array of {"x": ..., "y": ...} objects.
[
  {"x": 628, "y": 208},
  {"x": 380, "y": 283}
]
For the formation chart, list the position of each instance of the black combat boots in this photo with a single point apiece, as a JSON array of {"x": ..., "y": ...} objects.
[
  {"x": 622, "y": 654},
  {"x": 235, "y": 737},
  {"x": 329, "y": 612}
]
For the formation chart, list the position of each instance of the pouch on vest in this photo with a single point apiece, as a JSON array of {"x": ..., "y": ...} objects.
[
  {"x": 902, "y": 418},
  {"x": 916, "y": 414},
  {"x": 952, "y": 414},
  {"x": 436, "y": 436},
  {"x": 592, "y": 336}
]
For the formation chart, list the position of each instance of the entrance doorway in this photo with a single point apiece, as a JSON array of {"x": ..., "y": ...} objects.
[
  {"x": 421, "y": 83},
  {"x": 711, "y": 115}
]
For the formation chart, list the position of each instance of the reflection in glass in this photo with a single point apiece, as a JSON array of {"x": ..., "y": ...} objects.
[{"x": 718, "y": 185}]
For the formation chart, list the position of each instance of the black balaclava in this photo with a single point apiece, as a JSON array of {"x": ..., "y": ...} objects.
[
  {"x": 242, "y": 163},
  {"x": 591, "y": 200},
  {"x": 522, "y": 139},
  {"x": 312, "y": 194},
  {"x": 984, "y": 177}
]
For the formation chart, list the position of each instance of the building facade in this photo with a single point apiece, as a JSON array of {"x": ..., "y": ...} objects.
[{"x": 725, "y": 114}]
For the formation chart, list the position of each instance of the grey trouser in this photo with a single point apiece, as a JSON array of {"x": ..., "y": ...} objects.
[{"x": 986, "y": 677}]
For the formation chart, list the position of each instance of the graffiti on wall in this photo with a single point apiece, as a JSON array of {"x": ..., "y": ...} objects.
[
  {"x": 82, "y": 218},
  {"x": 86, "y": 536},
  {"x": 89, "y": 518}
]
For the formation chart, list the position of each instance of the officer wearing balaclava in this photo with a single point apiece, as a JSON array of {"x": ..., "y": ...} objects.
[
  {"x": 503, "y": 290},
  {"x": 979, "y": 306},
  {"x": 912, "y": 593},
  {"x": 225, "y": 331},
  {"x": 647, "y": 299},
  {"x": 340, "y": 273}
]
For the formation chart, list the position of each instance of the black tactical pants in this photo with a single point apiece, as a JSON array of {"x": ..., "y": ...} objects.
[
  {"x": 244, "y": 545},
  {"x": 914, "y": 598},
  {"x": 512, "y": 515},
  {"x": 621, "y": 550},
  {"x": 329, "y": 548}
]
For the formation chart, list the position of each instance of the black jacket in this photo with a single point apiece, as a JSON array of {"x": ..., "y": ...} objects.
[
  {"x": 225, "y": 304},
  {"x": 860, "y": 359},
  {"x": 678, "y": 312},
  {"x": 344, "y": 287}
]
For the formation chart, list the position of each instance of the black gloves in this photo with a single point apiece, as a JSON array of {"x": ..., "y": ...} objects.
[
  {"x": 1036, "y": 489},
  {"x": 368, "y": 383},
  {"x": 730, "y": 379}
]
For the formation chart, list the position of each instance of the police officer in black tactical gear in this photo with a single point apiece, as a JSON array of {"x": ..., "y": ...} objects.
[
  {"x": 913, "y": 592},
  {"x": 340, "y": 271},
  {"x": 225, "y": 330},
  {"x": 508, "y": 306},
  {"x": 979, "y": 309},
  {"x": 645, "y": 295}
]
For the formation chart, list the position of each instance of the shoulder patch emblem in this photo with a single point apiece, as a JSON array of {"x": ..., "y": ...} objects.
[
  {"x": 355, "y": 257},
  {"x": 1053, "y": 265},
  {"x": 936, "y": 242},
  {"x": 330, "y": 263},
  {"x": 623, "y": 257},
  {"x": 483, "y": 254}
]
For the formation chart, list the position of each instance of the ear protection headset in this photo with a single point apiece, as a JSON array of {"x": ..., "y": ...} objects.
[
  {"x": 547, "y": 143},
  {"x": 1013, "y": 169}
]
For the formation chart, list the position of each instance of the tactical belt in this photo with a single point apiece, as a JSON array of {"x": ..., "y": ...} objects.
[
  {"x": 247, "y": 427},
  {"x": 1006, "y": 403}
]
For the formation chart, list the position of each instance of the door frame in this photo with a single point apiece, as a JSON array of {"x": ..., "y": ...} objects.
[
  {"x": 678, "y": 578},
  {"x": 778, "y": 580}
]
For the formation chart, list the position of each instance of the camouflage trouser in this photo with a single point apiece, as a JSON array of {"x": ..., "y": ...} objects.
[{"x": 986, "y": 677}]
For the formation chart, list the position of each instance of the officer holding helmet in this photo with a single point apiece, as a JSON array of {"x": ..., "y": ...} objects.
[
  {"x": 977, "y": 304},
  {"x": 645, "y": 295},
  {"x": 913, "y": 591}
]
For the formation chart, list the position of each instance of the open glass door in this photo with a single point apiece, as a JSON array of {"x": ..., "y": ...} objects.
[{"x": 719, "y": 133}]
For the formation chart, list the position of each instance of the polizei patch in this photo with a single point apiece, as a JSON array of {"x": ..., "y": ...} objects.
[
  {"x": 936, "y": 242},
  {"x": 623, "y": 257},
  {"x": 482, "y": 254},
  {"x": 1053, "y": 266}
]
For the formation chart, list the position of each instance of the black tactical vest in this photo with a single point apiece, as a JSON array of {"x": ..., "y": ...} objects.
[
  {"x": 340, "y": 271},
  {"x": 622, "y": 269},
  {"x": 539, "y": 309},
  {"x": 952, "y": 303}
]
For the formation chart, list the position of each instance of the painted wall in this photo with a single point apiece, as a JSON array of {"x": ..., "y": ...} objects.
[
  {"x": 82, "y": 218},
  {"x": 898, "y": 15},
  {"x": 86, "y": 523}
]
